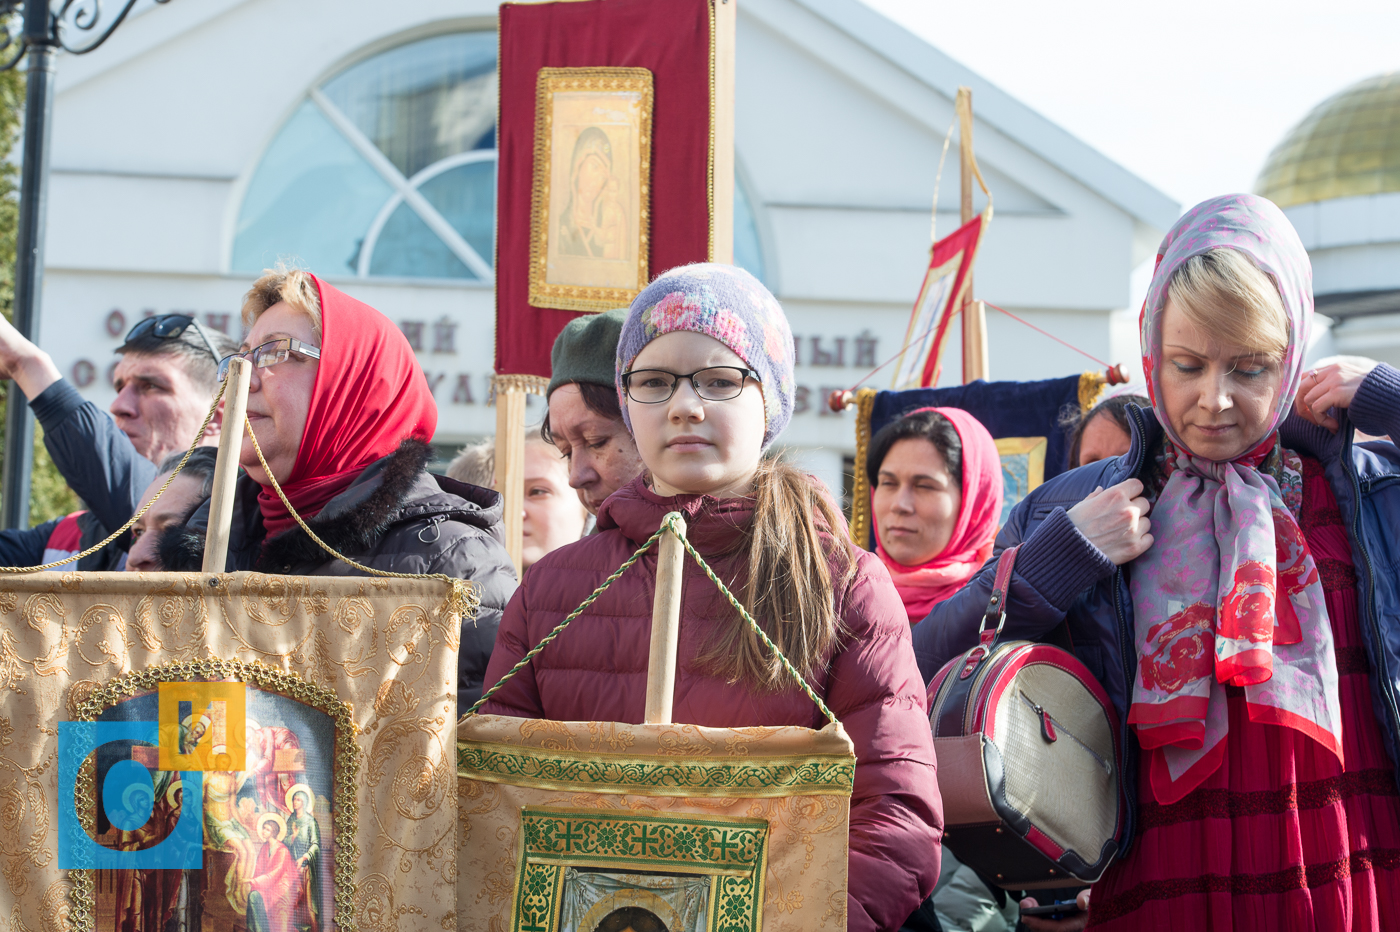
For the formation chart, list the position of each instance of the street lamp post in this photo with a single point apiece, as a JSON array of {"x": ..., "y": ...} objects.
[{"x": 46, "y": 26}]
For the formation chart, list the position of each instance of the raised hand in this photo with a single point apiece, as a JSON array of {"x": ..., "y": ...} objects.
[
  {"x": 24, "y": 362},
  {"x": 1331, "y": 384}
]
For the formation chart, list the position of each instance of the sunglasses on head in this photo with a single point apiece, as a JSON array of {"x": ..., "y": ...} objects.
[{"x": 170, "y": 327}]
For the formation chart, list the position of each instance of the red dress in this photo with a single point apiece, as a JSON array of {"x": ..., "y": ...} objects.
[{"x": 1281, "y": 836}]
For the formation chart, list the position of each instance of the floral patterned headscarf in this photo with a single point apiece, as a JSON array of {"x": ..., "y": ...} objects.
[
  {"x": 733, "y": 307},
  {"x": 1228, "y": 593}
]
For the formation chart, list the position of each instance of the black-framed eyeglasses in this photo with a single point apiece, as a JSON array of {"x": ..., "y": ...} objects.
[
  {"x": 270, "y": 354},
  {"x": 169, "y": 327},
  {"x": 717, "y": 383}
]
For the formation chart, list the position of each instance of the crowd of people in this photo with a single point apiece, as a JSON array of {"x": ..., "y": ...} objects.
[{"x": 1220, "y": 553}]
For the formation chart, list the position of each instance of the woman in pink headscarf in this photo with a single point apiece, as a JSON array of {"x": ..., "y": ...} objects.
[
  {"x": 936, "y": 500},
  {"x": 1249, "y": 631}
]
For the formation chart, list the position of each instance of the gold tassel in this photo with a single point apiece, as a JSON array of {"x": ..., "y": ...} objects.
[
  {"x": 533, "y": 384},
  {"x": 1090, "y": 388},
  {"x": 463, "y": 600}
]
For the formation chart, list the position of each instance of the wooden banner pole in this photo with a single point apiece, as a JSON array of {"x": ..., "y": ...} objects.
[
  {"x": 665, "y": 628},
  {"x": 226, "y": 466},
  {"x": 722, "y": 133},
  {"x": 510, "y": 465},
  {"x": 974, "y": 315}
]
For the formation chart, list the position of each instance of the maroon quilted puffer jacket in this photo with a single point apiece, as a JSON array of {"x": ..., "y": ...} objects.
[{"x": 597, "y": 669}]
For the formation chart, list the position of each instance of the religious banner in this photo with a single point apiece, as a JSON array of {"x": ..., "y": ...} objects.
[
  {"x": 232, "y": 751},
  {"x": 580, "y": 826},
  {"x": 940, "y": 299},
  {"x": 1027, "y": 419},
  {"x": 615, "y": 159}
]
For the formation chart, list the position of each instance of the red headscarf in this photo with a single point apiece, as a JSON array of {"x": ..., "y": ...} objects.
[
  {"x": 924, "y": 586},
  {"x": 370, "y": 396}
]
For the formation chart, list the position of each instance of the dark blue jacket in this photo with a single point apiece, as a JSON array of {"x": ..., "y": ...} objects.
[
  {"x": 27, "y": 547},
  {"x": 94, "y": 457},
  {"x": 1061, "y": 577},
  {"x": 98, "y": 462}
]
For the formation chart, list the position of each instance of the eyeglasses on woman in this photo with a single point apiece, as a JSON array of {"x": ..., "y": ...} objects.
[
  {"x": 270, "y": 354},
  {"x": 717, "y": 383}
]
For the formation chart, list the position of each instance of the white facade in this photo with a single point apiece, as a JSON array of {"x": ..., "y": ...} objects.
[
  {"x": 1354, "y": 245},
  {"x": 159, "y": 135}
]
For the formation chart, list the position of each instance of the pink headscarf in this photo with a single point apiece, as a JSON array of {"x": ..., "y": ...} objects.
[
  {"x": 1228, "y": 594},
  {"x": 924, "y": 586}
]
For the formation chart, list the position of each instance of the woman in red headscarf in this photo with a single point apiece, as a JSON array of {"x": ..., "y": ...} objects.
[
  {"x": 936, "y": 501},
  {"x": 343, "y": 415}
]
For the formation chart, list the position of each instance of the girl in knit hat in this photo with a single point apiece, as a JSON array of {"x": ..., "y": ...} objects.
[{"x": 705, "y": 379}]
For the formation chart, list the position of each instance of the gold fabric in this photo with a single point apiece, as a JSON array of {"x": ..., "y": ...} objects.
[
  {"x": 384, "y": 648},
  {"x": 775, "y": 842}
]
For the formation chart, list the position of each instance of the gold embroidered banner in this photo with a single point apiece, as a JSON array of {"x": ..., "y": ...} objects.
[
  {"x": 567, "y": 826},
  {"x": 314, "y": 715}
]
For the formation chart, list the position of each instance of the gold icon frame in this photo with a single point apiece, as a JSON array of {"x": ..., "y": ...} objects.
[{"x": 561, "y": 276}]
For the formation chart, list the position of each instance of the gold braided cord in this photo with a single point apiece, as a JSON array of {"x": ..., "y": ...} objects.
[
  {"x": 463, "y": 599},
  {"x": 667, "y": 523},
  {"x": 524, "y": 661},
  {"x": 144, "y": 508}
]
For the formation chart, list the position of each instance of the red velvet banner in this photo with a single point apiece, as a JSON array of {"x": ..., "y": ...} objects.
[{"x": 671, "y": 38}]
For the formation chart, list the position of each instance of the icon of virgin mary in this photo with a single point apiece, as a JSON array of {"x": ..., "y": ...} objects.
[{"x": 593, "y": 223}]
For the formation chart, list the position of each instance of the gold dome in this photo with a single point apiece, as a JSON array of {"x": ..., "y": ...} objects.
[{"x": 1348, "y": 145}]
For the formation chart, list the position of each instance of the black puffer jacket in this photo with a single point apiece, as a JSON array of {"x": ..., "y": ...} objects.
[{"x": 395, "y": 516}]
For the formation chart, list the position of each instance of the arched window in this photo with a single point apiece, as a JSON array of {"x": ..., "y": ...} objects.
[
  {"x": 748, "y": 252},
  {"x": 388, "y": 169}
]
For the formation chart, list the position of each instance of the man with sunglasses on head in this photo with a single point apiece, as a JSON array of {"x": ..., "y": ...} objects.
[{"x": 166, "y": 380}]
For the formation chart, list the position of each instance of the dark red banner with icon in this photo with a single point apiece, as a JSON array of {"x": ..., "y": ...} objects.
[{"x": 672, "y": 40}]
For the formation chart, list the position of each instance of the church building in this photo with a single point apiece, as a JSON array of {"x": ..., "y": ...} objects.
[{"x": 206, "y": 141}]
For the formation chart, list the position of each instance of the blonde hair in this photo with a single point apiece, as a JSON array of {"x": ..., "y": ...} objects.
[
  {"x": 796, "y": 540},
  {"x": 475, "y": 463},
  {"x": 1224, "y": 294},
  {"x": 279, "y": 284}
]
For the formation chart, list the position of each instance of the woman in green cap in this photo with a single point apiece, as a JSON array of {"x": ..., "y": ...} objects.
[{"x": 584, "y": 419}]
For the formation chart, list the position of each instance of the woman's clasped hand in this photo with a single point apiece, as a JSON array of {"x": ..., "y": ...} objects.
[
  {"x": 1115, "y": 520},
  {"x": 1331, "y": 385}
]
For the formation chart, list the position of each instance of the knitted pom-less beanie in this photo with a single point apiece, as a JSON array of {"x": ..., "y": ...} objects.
[
  {"x": 585, "y": 350},
  {"x": 733, "y": 307}
]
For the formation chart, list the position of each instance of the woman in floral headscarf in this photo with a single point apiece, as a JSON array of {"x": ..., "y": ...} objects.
[{"x": 1260, "y": 600}]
